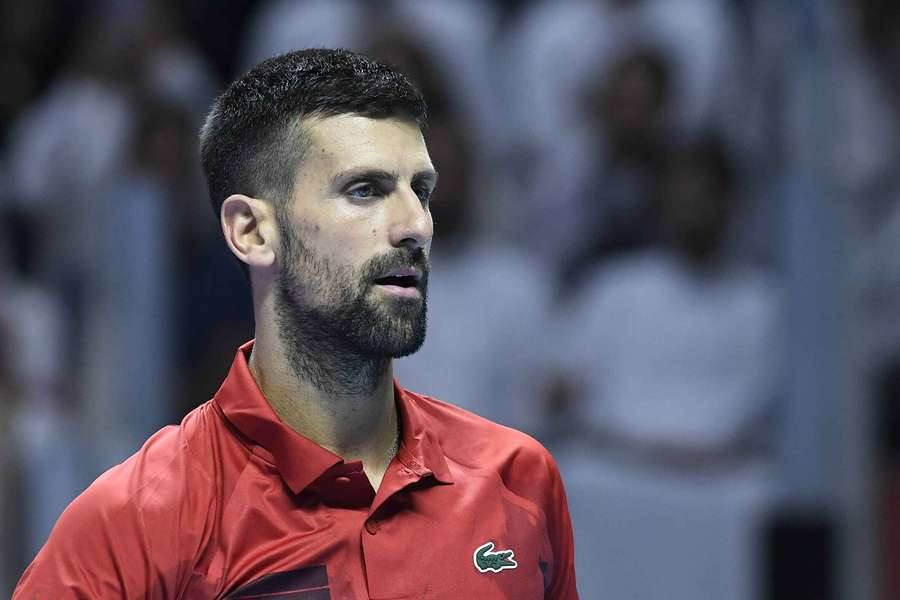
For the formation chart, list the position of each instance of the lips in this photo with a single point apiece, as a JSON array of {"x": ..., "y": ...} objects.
[{"x": 407, "y": 277}]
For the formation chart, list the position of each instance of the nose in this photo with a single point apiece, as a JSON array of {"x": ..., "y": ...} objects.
[{"x": 411, "y": 223}]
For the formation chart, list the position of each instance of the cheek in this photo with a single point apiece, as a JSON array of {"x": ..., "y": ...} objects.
[{"x": 348, "y": 243}]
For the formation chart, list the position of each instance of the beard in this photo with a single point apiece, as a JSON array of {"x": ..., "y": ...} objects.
[{"x": 338, "y": 332}]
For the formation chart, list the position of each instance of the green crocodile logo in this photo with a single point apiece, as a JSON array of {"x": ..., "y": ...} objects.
[{"x": 487, "y": 560}]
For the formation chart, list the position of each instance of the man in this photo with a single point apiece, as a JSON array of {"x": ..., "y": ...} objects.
[
  {"x": 674, "y": 352},
  {"x": 311, "y": 473}
]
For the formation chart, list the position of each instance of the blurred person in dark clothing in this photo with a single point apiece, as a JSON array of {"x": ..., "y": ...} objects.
[
  {"x": 556, "y": 142},
  {"x": 552, "y": 46},
  {"x": 629, "y": 112},
  {"x": 312, "y": 470},
  {"x": 886, "y": 397},
  {"x": 877, "y": 203},
  {"x": 35, "y": 38},
  {"x": 696, "y": 202},
  {"x": 592, "y": 195},
  {"x": 879, "y": 26}
]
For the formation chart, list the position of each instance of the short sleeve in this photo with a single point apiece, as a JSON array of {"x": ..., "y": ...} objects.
[
  {"x": 134, "y": 533},
  {"x": 96, "y": 550},
  {"x": 559, "y": 525}
]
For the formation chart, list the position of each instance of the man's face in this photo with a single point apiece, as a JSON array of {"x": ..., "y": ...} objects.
[{"x": 355, "y": 238}]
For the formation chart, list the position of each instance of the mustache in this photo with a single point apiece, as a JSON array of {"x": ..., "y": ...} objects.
[{"x": 401, "y": 258}]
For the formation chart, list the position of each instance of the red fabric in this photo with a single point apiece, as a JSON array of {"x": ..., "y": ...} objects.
[{"x": 233, "y": 503}]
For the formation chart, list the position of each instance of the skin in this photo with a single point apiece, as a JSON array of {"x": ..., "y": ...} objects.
[{"x": 348, "y": 222}]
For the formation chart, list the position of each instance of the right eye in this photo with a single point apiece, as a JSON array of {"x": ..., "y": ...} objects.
[{"x": 362, "y": 191}]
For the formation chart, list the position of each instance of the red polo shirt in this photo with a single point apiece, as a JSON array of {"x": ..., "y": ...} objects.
[{"x": 234, "y": 504}]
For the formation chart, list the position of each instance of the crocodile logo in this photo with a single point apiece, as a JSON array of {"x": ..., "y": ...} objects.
[{"x": 487, "y": 560}]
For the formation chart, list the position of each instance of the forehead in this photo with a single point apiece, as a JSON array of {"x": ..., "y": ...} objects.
[{"x": 344, "y": 142}]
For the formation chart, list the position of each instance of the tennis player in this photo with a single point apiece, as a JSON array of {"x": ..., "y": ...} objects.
[{"x": 312, "y": 473}]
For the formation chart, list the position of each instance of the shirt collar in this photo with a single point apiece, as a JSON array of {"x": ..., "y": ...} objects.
[
  {"x": 420, "y": 449},
  {"x": 300, "y": 460}
]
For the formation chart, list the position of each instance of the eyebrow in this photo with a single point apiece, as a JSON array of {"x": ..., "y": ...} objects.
[{"x": 344, "y": 177}]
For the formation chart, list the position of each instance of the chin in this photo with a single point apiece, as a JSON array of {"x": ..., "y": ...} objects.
[
  {"x": 395, "y": 340},
  {"x": 410, "y": 348},
  {"x": 398, "y": 346}
]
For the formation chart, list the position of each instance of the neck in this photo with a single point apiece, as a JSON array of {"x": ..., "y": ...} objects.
[{"x": 342, "y": 402}]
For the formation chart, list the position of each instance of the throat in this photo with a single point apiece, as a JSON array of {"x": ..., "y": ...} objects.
[
  {"x": 343, "y": 376},
  {"x": 348, "y": 419}
]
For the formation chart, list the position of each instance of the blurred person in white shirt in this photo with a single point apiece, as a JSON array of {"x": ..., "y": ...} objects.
[{"x": 673, "y": 357}]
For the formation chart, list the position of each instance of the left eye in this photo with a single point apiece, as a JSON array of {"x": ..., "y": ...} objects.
[{"x": 424, "y": 195}]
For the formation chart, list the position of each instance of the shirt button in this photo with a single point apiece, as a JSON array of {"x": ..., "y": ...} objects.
[
  {"x": 372, "y": 527},
  {"x": 342, "y": 479}
]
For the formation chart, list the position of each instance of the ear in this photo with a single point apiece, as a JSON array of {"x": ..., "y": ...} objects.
[{"x": 250, "y": 229}]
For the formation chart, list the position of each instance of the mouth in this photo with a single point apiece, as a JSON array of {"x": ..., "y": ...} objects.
[{"x": 401, "y": 282}]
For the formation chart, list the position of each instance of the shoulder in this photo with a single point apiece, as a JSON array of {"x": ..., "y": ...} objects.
[
  {"x": 517, "y": 469},
  {"x": 148, "y": 515},
  {"x": 166, "y": 479},
  {"x": 472, "y": 441},
  {"x": 162, "y": 468}
]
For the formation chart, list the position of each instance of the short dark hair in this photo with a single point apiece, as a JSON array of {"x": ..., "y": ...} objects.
[{"x": 250, "y": 143}]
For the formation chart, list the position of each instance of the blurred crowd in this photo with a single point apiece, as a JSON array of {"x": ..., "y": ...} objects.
[{"x": 625, "y": 191}]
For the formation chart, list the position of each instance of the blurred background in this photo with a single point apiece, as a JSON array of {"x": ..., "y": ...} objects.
[{"x": 667, "y": 246}]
